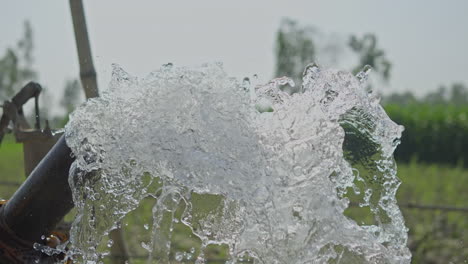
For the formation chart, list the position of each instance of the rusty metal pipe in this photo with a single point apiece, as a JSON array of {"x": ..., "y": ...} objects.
[{"x": 43, "y": 199}]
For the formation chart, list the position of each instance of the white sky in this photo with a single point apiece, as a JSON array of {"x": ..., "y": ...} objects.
[{"x": 426, "y": 40}]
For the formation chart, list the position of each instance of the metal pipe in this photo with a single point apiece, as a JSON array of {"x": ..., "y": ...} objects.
[
  {"x": 29, "y": 91},
  {"x": 87, "y": 72},
  {"x": 12, "y": 110},
  {"x": 43, "y": 199}
]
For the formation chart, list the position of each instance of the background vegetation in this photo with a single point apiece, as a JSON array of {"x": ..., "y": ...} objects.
[
  {"x": 432, "y": 157},
  {"x": 433, "y": 133}
]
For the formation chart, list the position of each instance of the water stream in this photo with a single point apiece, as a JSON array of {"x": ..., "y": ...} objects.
[{"x": 282, "y": 168}]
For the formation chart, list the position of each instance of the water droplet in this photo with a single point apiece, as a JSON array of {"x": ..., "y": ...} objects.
[
  {"x": 58, "y": 131},
  {"x": 264, "y": 105},
  {"x": 298, "y": 208},
  {"x": 282, "y": 81},
  {"x": 364, "y": 73},
  {"x": 179, "y": 256},
  {"x": 43, "y": 237},
  {"x": 168, "y": 66},
  {"x": 311, "y": 73},
  {"x": 133, "y": 162},
  {"x": 297, "y": 170},
  {"x": 246, "y": 84},
  {"x": 37, "y": 246},
  {"x": 281, "y": 115},
  {"x": 366, "y": 198},
  {"x": 311, "y": 70},
  {"x": 146, "y": 246}
]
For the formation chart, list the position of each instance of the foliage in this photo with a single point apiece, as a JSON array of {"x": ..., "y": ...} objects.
[
  {"x": 16, "y": 65},
  {"x": 370, "y": 54},
  {"x": 455, "y": 94},
  {"x": 11, "y": 166},
  {"x": 72, "y": 95},
  {"x": 433, "y": 133},
  {"x": 435, "y": 236},
  {"x": 436, "y": 125},
  {"x": 16, "y": 69},
  {"x": 297, "y": 46},
  {"x": 402, "y": 99}
]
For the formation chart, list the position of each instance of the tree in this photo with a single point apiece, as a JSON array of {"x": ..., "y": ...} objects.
[
  {"x": 405, "y": 98},
  {"x": 295, "y": 49},
  {"x": 8, "y": 74},
  {"x": 459, "y": 94},
  {"x": 456, "y": 94},
  {"x": 71, "y": 95},
  {"x": 297, "y": 46},
  {"x": 369, "y": 54},
  {"x": 16, "y": 66},
  {"x": 436, "y": 97}
]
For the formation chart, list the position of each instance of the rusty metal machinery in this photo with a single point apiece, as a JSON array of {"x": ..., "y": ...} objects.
[
  {"x": 44, "y": 198},
  {"x": 36, "y": 141}
]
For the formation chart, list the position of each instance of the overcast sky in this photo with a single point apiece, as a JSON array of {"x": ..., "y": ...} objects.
[{"x": 426, "y": 40}]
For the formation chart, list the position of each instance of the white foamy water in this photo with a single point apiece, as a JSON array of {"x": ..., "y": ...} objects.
[{"x": 283, "y": 164}]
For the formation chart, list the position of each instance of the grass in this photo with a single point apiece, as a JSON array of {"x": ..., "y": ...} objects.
[
  {"x": 434, "y": 236},
  {"x": 11, "y": 166}
]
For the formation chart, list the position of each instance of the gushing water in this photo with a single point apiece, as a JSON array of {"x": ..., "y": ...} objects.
[{"x": 282, "y": 168}]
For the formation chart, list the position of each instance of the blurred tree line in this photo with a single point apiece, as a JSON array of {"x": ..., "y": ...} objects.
[
  {"x": 454, "y": 94},
  {"x": 17, "y": 69},
  {"x": 296, "y": 46}
]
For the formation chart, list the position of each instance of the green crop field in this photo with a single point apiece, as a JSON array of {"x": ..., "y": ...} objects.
[
  {"x": 11, "y": 166},
  {"x": 433, "y": 133},
  {"x": 435, "y": 236}
]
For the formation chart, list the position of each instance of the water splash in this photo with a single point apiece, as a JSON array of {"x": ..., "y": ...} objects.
[
  {"x": 274, "y": 179},
  {"x": 363, "y": 74},
  {"x": 269, "y": 95},
  {"x": 311, "y": 72}
]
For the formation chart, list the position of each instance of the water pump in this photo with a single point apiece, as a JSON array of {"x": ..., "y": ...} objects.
[{"x": 41, "y": 202}]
